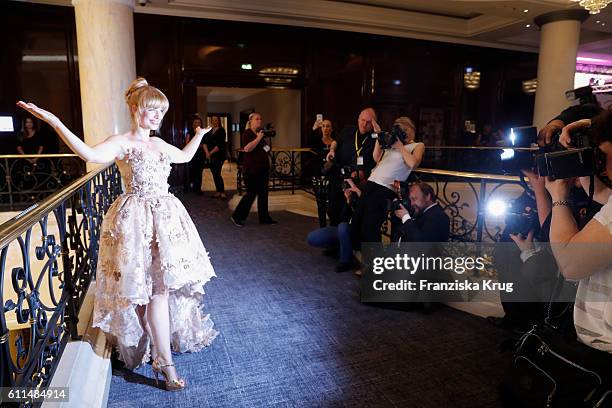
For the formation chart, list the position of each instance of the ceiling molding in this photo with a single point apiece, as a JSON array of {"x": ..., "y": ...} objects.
[{"x": 344, "y": 17}]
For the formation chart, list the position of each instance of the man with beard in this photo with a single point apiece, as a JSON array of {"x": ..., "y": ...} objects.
[{"x": 430, "y": 224}]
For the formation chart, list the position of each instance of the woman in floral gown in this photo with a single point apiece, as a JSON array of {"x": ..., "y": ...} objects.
[{"x": 152, "y": 265}]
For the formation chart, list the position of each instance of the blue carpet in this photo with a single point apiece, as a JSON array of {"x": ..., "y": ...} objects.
[{"x": 293, "y": 334}]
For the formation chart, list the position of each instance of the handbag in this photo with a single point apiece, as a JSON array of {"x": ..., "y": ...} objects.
[{"x": 551, "y": 370}]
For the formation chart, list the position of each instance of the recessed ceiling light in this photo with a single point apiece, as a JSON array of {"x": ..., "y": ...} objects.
[
  {"x": 528, "y": 25},
  {"x": 598, "y": 21},
  {"x": 603, "y": 24},
  {"x": 397, "y": 82},
  {"x": 247, "y": 66},
  {"x": 526, "y": 11}
]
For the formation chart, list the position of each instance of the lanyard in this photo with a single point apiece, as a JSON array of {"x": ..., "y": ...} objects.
[{"x": 358, "y": 149}]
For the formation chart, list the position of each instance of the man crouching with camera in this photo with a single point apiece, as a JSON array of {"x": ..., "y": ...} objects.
[
  {"x": 586, "y": 255},
  {"x": 430, "y": 222}
]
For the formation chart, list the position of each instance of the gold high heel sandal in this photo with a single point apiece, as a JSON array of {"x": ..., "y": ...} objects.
[{"x": 174, "y": 385}]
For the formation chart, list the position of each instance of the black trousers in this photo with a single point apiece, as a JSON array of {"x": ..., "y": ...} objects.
[
  {"x": 256, "y": 186},
  {"x": 374, "y": 211},
  {"x": 215, "y": 169},
  {"x": 195, "y": 175}
]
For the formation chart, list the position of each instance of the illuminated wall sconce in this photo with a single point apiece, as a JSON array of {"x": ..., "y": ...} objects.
[
  {"x": 471, "y": 79},
  {"x": 530, "y": 86}
]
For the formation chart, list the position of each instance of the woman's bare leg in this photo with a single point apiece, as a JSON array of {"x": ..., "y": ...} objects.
[
  {"x": 141, "y": 311},
  {"x": 159, "y": 321}
]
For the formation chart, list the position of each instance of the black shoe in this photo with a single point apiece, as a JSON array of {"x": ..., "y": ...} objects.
[
  {"x": 344, "y": 267},
  {"x": 331, "y": 252},
  {"x": 269, "y": 221},
  {"x": 236, "y": 222}
]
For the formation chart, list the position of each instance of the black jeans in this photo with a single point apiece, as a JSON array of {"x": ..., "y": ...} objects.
[
  {"x": 374, "y": 211},
  {"x": 215, "y": 168},
  {"x": 256, "y": 186}
]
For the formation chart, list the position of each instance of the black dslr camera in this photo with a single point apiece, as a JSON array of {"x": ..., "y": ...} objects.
[
  {"x": 268, "y": 130},
  {"x": 521, "y": 221},
  {"x": 346, "y": 172},
  {"x": 557, "y": 162},
  {"x": 403, "y": 197},
  {"x": 387, "y": 139}
]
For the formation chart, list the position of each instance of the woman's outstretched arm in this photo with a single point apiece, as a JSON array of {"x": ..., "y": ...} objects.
[
  {"x": 186, "y": 154},
  {"x": 103, "y": 152}
]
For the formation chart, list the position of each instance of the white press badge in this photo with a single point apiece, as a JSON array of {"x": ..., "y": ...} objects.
[
  {"x": 266, "y": 148},
  {"x": 360, "y": 161}
]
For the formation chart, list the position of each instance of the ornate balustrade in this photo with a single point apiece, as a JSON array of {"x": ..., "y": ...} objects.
[
  {"x": 27, "y": 179},
  {"x": 48, "y": 256},
  {"x": 287, "y": 169}
]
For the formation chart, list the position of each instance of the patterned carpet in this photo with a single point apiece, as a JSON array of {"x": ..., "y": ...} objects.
[{"x": 293, "y": 334}]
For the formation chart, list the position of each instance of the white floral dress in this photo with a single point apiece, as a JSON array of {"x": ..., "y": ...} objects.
[{"x": 149, "y": 245}]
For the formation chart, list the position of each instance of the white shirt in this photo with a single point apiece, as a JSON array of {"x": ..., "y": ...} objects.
[
  {"x": 392, "y": 167},
  {"x": 593, "y": 319}
]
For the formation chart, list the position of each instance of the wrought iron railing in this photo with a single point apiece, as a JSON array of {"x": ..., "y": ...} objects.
[
  {"x": 27, "y": 179},
  {"x": 288, "y": 170},
  {"x": 48, "y": 256},
  {"x": 465, "y": 197}
]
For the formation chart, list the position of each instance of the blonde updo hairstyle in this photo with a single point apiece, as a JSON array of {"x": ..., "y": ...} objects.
[{"x": 144, "y": 96}]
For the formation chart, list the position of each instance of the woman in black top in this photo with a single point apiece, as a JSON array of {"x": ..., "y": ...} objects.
[
  {"x": 321, "y": 141},
  {"x": 255, "y": 170},
  {"x": 30, "y": 141},
  {"x": 196, "y": 165},
  {"x": 214, "y": 150}
]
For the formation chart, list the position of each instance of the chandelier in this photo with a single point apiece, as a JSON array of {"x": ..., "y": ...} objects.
[{"x": 593, "y": 6}]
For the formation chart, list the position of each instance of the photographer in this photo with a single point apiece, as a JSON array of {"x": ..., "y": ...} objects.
[
  {"x": 339, "y": 237},
  {"x": 255, "y": 170},
  {"x": 430, "y": 224},
  {"x": 393, "y": 163},
  {"x": 590, "y": 264},
  {"x": 354, "y": 147}
]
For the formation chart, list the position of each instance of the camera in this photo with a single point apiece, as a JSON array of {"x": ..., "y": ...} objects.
[
  {"x": 521, "y": 222},
  {"x": 268, "y": 130},
  {"x": 346, "y": 173},
  {"x": 403, "y": 197},
  {"x": 387, "y": 139},
  {"x": 555, "y": 161},
  {"x": 521, "y": 217}
]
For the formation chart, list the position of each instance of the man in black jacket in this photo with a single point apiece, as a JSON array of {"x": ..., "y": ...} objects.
[{"x": 431, "y": 224}]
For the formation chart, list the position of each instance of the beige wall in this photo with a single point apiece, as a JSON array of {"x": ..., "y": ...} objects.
[{"x": 281, "y": 107}]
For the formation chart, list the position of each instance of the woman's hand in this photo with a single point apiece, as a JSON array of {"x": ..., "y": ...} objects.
[
  {"x": 40, "y": 113},
  {"x": 535, "y": 180},
  {"x": 559, "y": 189},
  {"x": 547, "y": 132},
  {"x": 524, "y": 244},
  {"x": 566, "y": 133},
  {"x": 202, "y": 131},
  {"x": 318, "y": 123}
]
